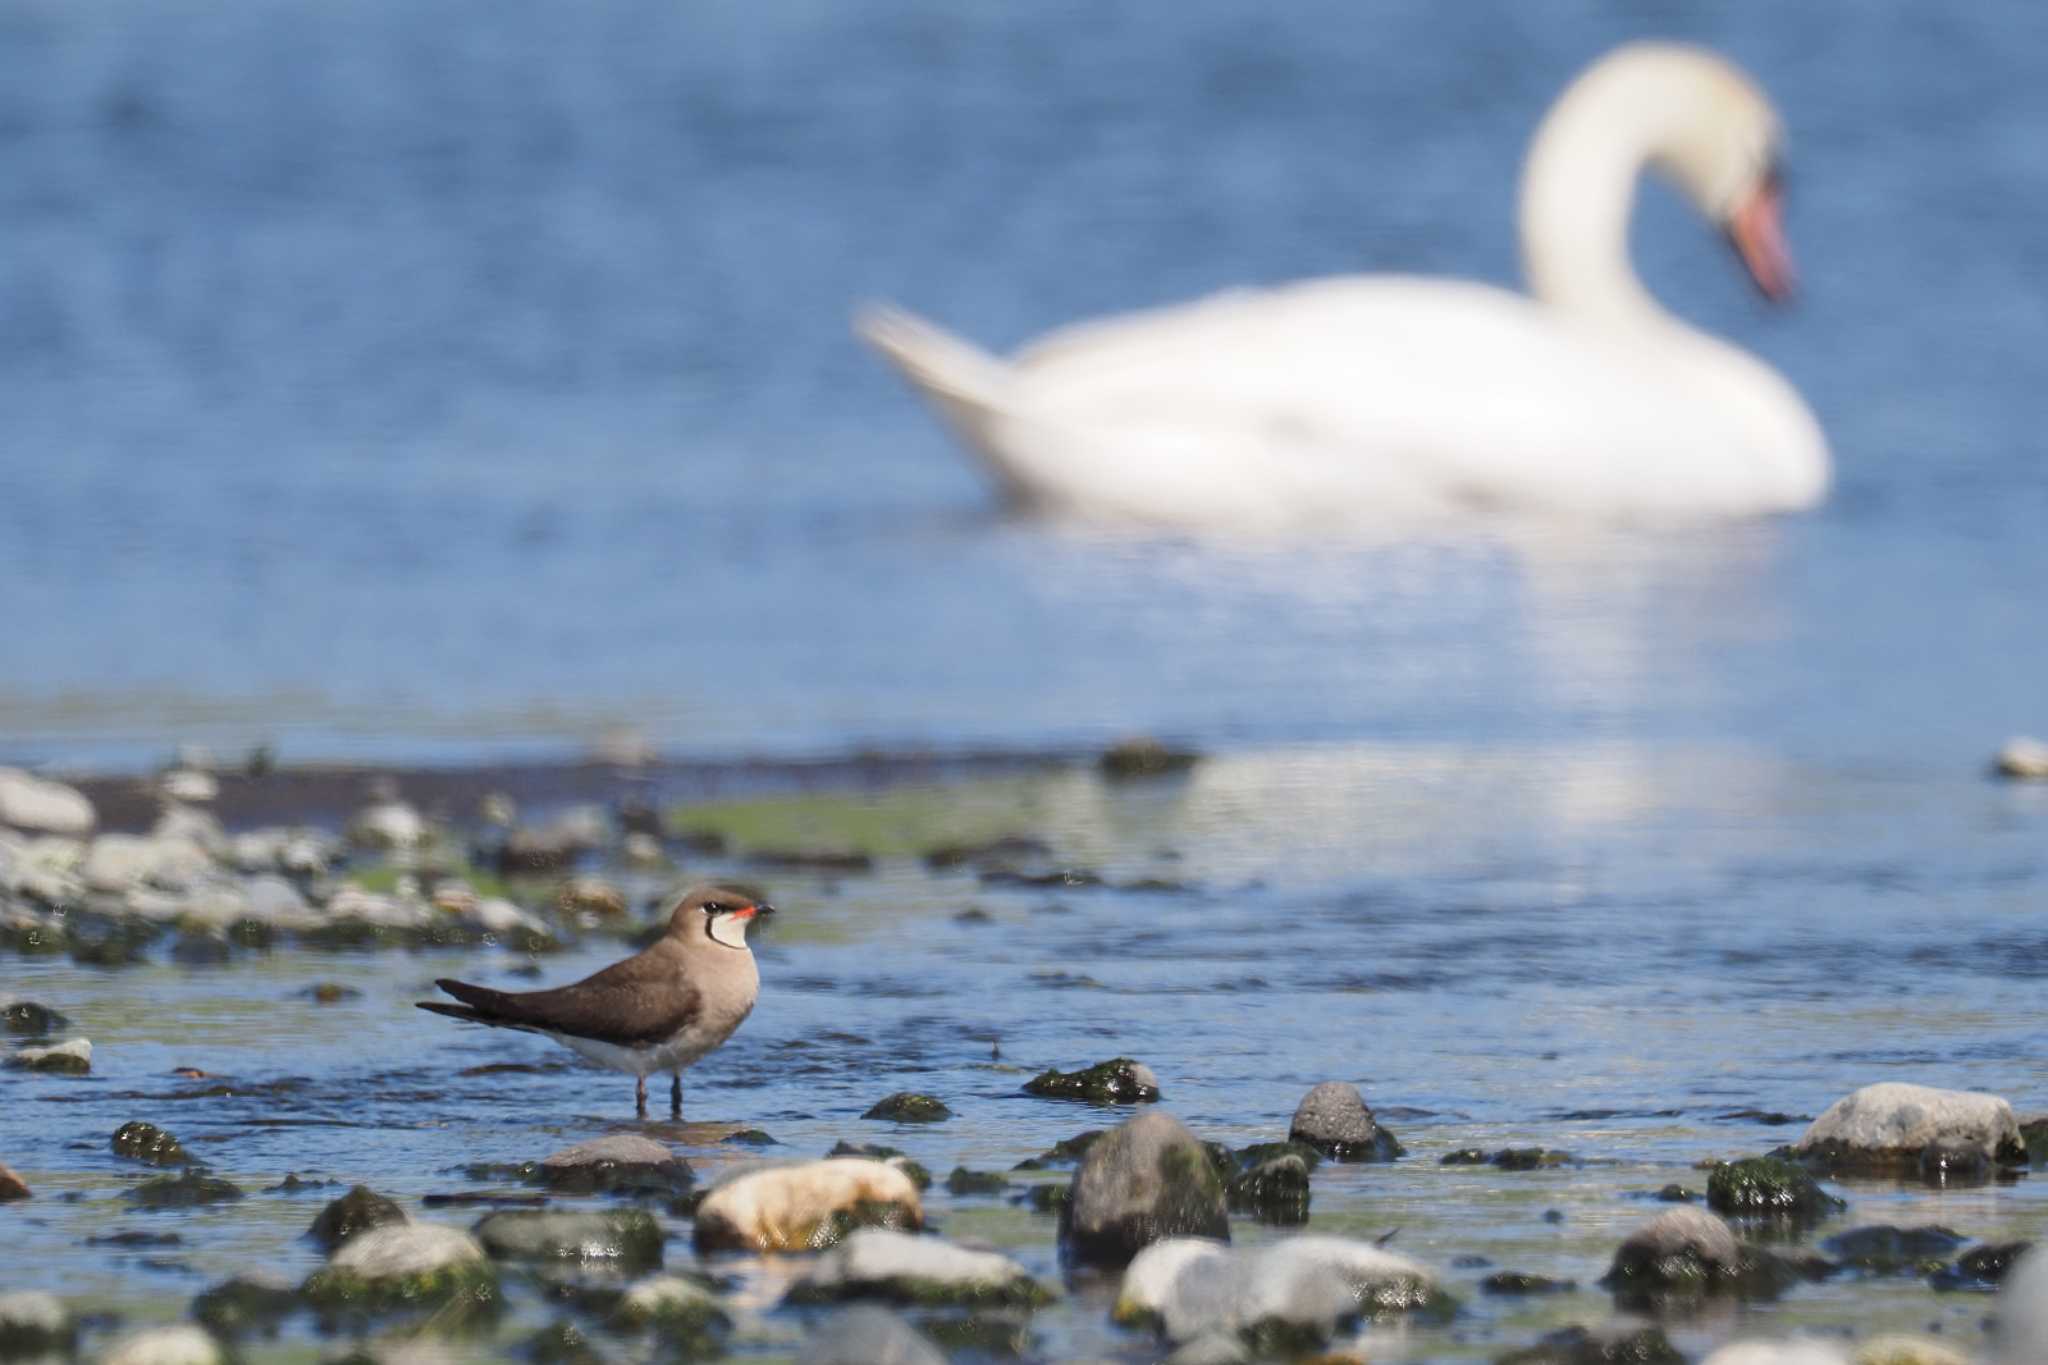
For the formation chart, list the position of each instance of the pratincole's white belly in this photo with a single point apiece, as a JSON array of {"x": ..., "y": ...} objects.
[{"x": 672, "y": 1055}]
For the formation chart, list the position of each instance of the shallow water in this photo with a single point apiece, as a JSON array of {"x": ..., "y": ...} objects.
[{"x": 1604, "y": 949}]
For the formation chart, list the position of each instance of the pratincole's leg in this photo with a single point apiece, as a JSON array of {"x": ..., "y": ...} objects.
[
  {"x": 640, "y": 1096},
  {"x": 675, "y": 1095}
]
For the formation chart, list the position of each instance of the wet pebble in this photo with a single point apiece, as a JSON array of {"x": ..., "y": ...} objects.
[
  {"x": 1333, "y": 1119},
  {"x": 1143, "y": 1181},
  {"x": 876, "y": 1263}
]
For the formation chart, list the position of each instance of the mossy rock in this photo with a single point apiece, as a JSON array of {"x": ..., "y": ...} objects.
[
  {"x": 244, "y": 1306},
  {"x": 147, "y": 1143},
  {"x": 1275, "y": 1192},
  {"x": 183, "y": 1191},
  {"x": 907, "y": 1106},
  {"x": 873, "y": 1151},
  {"x": 361, "y": 1209},
  {"x": 1120, "y": 1080},
  {"x": 28, "y": 1018},
  {"x": 465, "y": 1295},
  {"x": 1260, "y": 1152},
  {"x": 1046, "y": 1198},
  {"x": 1065, "y": 1152},
  {"x": 997, "y": 1334},
  {"x": 562, "y": 1342},
  {"x": 1577, "y": 1346},
  {"x": 919, "y": 1176},
  {"x": 51, "y": 1061},
  {"x": 964, "y": 1182},
  {"x": 1517, "y": 1282},
  {"x": 1766, "y": 1187},
  {"x": 619, "y": 1237},
  {"x": 1980, "y": 1268}
]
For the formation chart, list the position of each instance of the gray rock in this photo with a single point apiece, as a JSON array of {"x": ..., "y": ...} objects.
[
  {"x": 876, "y": 1263},
  {"x": 2023, "y": 1311},
  {"x": 189, "y": 785},
  {"x": 33, "y": 1323},
  {"x": 1333, "y": 1119},
  {"x": 1299, "y": 1292},
  {"x": 868, "y": 1336},
  {"x": 619, "y": 1163},
  {"x": 1890, "y": 1129},
  {"x": 72, "y": 1058},
  {"x": 1147, "y": 1179},
  {"x": 246, "y": 1304},
  {"x": 397, "y": 1250},
  {"x": 621, "y": 1237},
  {"x": 406, "y": 1267},
  {"x": 166, "y": 1346},
  {"x": 355, "y": 1213},
  {"x": 149, "y": 1144},
  {"x": 41, "y": 806},
  {"x": 1685, "y": 1235}
]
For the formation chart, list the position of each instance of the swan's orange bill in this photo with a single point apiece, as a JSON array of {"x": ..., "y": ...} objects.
[{"x": 1758, "y": 231}]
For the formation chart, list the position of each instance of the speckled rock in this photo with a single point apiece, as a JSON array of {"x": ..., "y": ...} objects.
[
  {"x": 1768, "y": 1188},
  {"x": 149, "y": 1144},
  {"x": 1333, "y": 1119},
  {"x": 355, "y": 1213},
  {"x": 1142, "y": 1181},
  {"x": 621, "y": 1237},
  {"x": 2023, "y": 1311},
  {"x": 1291, "y": 1295},
  {"x": 1684, "y": 1246},
  {"x": 1890, "y": 1128},
  {"x": 807, "y": 1206},
  {"x": 166, "y": 1346},
  {"x": 875, "y": 1263},
  {"x": 866, "y": 1335},
  {"x": 38, "y": 805},
  {"x": 72, "y": 1058},
  {"x": 1120, "y": 1080},
  {"x": 34, "y": 1323},
  {"x": 1778, "y": 1353}
]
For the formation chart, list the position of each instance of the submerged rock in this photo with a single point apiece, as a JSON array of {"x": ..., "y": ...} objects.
[
  {"x": 963, "y": 1182},
  {"x": 907, "y": 1106},
  {"x": 806, "y": 1207},
  {"x": 189, "y": 1190},
  {"x": 40, "y": 806},
  {"x": 1333, "y": 1119},
  {"x": 145, "y": 1142},
  {"x": 1766, "y": 1187},
  {"x": 27, "y": 1017},
  {"x": 1981, "y": 1268},
  {"x": 246, "y": 1304},
  {"x": 622, "y": 1237},
  {"x": 1889, "y": 1129},
  {"x": 867, "y": 1335},
  {"x": 1144, "y": 756},
  {"x": 1145, "y": 1180},
  {"x": 1120, "y": 1080},
  {"x": 1516, "y": 1282},
  {"x": 2023, "y": 1311},
  {"x": 34, "y": 1323},
  {"x": 1065, "y": 1152},
  {"x": 875, "y": 1263},
  {"x": 1887, "y": 1250},
  {"x": 1288, "y": 1297},
  {"x": 166, "y": 1346},
  {"x": 356, "y": 1212},
  {"x": 73, "y": 1058},
  {"x": 1274, "y": 1191},
  {"x": 1616, "y": 1346},
  {"x": 619, "y": 1164}
]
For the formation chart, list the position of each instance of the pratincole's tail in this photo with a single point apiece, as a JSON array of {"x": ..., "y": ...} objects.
[
  {"x": 481, "y": 1005},
  {"x": 968, "y": 387}
]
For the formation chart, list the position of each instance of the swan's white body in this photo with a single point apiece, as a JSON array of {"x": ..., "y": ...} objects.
[{"x": 1391, "y": 398}]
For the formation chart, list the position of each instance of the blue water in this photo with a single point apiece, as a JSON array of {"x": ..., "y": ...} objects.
[{"x": 431, "y": 377}]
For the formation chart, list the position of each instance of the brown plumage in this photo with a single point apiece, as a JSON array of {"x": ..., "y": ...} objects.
[{"x": 659, "y": 1010}]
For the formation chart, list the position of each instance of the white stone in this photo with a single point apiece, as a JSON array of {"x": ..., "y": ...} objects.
[
  {"x": 75, "y": 1047},
  {"x": 1200, "y": 1289},
  {"x": 166, "y": 1346},
  {"x": 34, "y": 803},
  {"x": 2023, "y": 757},
  {"x": 405, "y": 1249},
  {"x": 778, "y": 1208},
  {"x": 387, "y": 824},
  {"x": 873, "y": 1255},
  {"x": 1894, "y": 1117},
  {"x": 352, "y": 902},
  {"x": 2023, "y": 1310},
  {"x": 1777, "y": 1353},
  {"x": 188, "y": 784},
  {"x": 31, "y": 1310},
  {"x": 121, "y": 862},
  {"x": 496, "y": 916}
]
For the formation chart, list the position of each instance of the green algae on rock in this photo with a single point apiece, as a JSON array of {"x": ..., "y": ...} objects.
[
  {"x": 622, "y": 1237},
  {"x": 908, "y": 1106},
  {"x": 245, "y": 1305},
  {"x": 406, "y": 1268},
  {"x": 1767, "y": 1187},
  {"x": 1120, "y": 1080},
  {"x": 147, "y": 1143},
  {"x": 73, "y": 1058},
  {"x": 1274, "y": 1191}
]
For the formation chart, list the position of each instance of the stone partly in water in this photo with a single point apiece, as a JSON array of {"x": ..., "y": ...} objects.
[
  {"x": 672, "y": 1306},
  {"x": 619, "y": 1164},
  {"x": 361, "y": 1209},
  {"x": 1143, "y": 756},
  {"x": 1274, "y": 1191},
  {"x": 1580, "y": 1346},
  {"x": 1145, "y": 1180},
  {"x": 2024, "y": 758},
  {"x": 867, "y": 1335},
  {"x": 963, "y": 1182},
  {"x": 907, "y": 1106},
  {"x": 34, "y": 1323},
  {"x": 189, "y": 1190},
  {"x": 1891, "y": 1129},
  {"x": 875, "y": 1263},
  {"x": 1778, "y": 1353},
  {"x": 1515, "y": 1282},
  {"x": 1119, "y": 1080},
  {"x": 403, "y": 1267},
  {"x": 73, "y": 1058},
  {"x": 1333, "y": 1119},
  {"x": 147, "y": 1143},
  {"x": 40, "y": 806},
  {"x": 628, "y": 1238},
  {"x": 1768, "y": 1188},
  {"x": 2023, "y": 1311},
  {"x": 1690, "y": 1253},
  {"x": 1285, "y": 1297},
  {"x": 806, "y": 1207},
  {"x": 28, "y": 1018},
  {"x": 167, "y": 1346},
  {"x": 246, "y": 1305},
  {"x": 1887, "y": 1250},
  {"x": 1981, "y": 1268}
]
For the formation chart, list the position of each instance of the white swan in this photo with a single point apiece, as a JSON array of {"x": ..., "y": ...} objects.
[{"x": 1390, "y": 398}]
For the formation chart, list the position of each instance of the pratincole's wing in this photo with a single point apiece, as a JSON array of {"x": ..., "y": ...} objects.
[{"x": 636, "y": 1003}]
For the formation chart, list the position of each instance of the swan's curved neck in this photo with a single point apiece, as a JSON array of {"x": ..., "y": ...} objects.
[{"x": 1578, "y": 196}]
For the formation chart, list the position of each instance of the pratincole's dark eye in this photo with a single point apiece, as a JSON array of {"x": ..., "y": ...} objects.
[{"x": 716, "y": 908}]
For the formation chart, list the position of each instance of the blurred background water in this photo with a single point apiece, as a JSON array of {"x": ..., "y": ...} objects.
[{"x": 425, "y": 378}]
